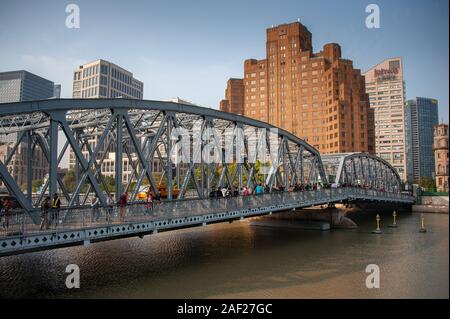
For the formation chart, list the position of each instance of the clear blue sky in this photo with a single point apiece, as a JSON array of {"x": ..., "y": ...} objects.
[{"x": 190, "y": 48}]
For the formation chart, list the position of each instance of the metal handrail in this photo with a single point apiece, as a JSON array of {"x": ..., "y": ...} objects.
[{"x": 20, "y": 223}]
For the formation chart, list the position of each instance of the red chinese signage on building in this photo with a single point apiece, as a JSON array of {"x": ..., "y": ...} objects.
[{"x": 386, "y": 74}]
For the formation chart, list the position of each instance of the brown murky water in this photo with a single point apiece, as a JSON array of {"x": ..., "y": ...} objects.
[{"x": 239, "y": 260}]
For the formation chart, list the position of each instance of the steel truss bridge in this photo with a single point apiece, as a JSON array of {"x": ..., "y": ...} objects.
[{"x": 141, "y": 133}]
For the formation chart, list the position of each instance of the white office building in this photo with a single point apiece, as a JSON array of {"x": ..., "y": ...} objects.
[
  {"x": 103, "y": 79},
  {"x": 386, "y": 89}
]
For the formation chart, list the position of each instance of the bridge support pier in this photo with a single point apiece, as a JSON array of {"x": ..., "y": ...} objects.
[{"x": 333, "y": 217}]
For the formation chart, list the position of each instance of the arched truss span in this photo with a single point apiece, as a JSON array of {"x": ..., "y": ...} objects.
[
  {"x": 361, "y": 169},
  {"x": 128, "y": 140}
]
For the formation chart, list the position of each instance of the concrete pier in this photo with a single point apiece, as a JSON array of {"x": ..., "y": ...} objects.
[{"x": 315, "y": 218}]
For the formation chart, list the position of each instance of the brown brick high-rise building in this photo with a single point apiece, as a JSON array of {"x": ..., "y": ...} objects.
[
  {"x": 234, "y": 97},
  {"x": 319, "y": 97}
]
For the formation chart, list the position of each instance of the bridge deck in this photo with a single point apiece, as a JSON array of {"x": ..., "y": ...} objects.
[{"x": 80, "y": 226}]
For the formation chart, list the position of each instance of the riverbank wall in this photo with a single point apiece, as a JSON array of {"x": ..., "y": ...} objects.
[{"x": 432, "y": 204}]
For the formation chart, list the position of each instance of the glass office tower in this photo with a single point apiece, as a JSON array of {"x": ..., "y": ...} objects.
[
  {"x": 421, "y": 117},
  {"x": 22, "y": 86}
]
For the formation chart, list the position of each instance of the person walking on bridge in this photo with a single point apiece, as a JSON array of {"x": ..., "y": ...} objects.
[
  {"x": 224, "y": 192},
  {"x": 7, "y": 209},
  {"x": 4, "y": 212},
  {"x": 123, "y": 201},
  {"x": 1, "y": 209},
  {"x": 149, "y": 201},
  {"x": 109, "y": 207},
  {"x": 44, "y": 213},
  {"x": 95, "y": 204},
  {"x": 56, "y": 205},
  {"x": 259, "y": 189}
]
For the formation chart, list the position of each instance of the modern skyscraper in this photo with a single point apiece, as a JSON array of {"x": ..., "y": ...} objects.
[
  {"x": 319, "y": 97},
  {"x": 20, "y": 86},
  {"x": 440, "y": 149},
  {"x": 234, "y": 97},
  {"x": 422, "y": 116},
  {"x": 103, "y": 79},
  {"x": 386, "y": 90}
]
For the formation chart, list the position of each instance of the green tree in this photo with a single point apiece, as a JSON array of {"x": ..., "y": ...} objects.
[
  {"x": 428, "y": 184},
  {"x": 70, "y": 180},
  {"x": 36, "y": 184},
  {"x": 259, "y": 169},
  {"x": 110, "y": 183}
]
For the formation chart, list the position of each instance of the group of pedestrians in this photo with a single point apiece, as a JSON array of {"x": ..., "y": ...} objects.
[
  {"x": 122, "y": 205},
  {"x": 358, "y": 185},
  {"x": 50, "y": 209},
  {"x": 223, "y": 192},
  {"x": 226, "y": 192},
  {"x": 109, "y": 208},
  {"x": 260, "y": 189},
  {"x": 151, "y": 200},
  {"x": 297, "y": 187}
]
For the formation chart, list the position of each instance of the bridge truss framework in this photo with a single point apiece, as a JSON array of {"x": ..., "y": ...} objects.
[{"x": 142, "y": 132}]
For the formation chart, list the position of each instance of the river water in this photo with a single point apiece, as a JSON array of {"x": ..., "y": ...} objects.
[{"x": 239, "y": 260}]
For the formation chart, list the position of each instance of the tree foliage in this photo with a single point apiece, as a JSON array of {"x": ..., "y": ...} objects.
[{"x": 428, "y": 184}]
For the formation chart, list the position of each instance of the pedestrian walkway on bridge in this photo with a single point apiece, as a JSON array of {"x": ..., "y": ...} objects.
[{"x": 77, "y": 226}]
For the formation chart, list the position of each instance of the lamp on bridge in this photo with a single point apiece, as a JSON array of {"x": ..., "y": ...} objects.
[
  {"x": 422, "y": 224},
  {"x": 378, "y": 230},
  {"x": 394, "y": 223}
]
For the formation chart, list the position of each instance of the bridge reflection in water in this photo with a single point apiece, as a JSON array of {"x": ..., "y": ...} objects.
[{"x": 143, "y": 133}]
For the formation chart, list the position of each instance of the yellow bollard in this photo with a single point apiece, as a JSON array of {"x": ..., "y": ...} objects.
[
  {"x": 422, "y": 224},
  {"x": 378, "y": 230},
  {"x": 394, "y": 224}
]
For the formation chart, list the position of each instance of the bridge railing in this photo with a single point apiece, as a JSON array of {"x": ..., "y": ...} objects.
[{"x": 19, "y": 222}]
